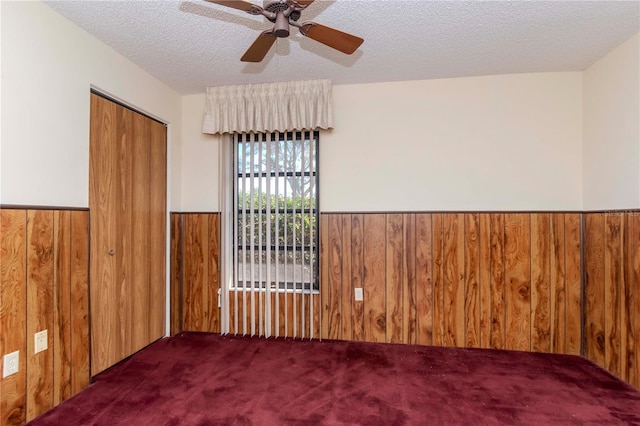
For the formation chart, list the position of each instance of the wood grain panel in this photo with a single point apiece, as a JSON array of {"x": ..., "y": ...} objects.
[
  {"x": 498, "y": 320},
  {"x": 39, "y": 310},
  {"x": 315, "y": 302},
  {"x": 471, "y": 283},
  {"x": 324, "y": 276},
  {"x": 357, "y": 273},
  {"x": 347, "y": 296},
  {"x": 573, "y": 285},
  {"x": 277, "y": 314},
  {"x": 175, "y": 290},
  {"x": 374, "y": 277},
  {"x": 233, "y": 313},
  {"x": 518, "y": 280},
  {"x": 272, "y": 316},
  {"x": 409, "y": 313},
  {"x": 79, "y": 284},
  {"x": 334, "y": 280},
  {"x": 158, "y": 230},
  {"x": 196, "y": 265},
  {"x": 634, "y": 378},
  {"x": 626, "y": 299},
  {"x": 289, "y": 317},
  {"x": 305, "y": 316},
  {"x": 485, "y": 280},
  {"x": 242, "y": 310},
  {"x": 236, "y": 299},
  {"x": 61, "y": 306},
  {"x": 540, "y": 279},
  {"x": 438, "y": 338},
  {"x": 453, "y": 279},
  {"x": 558, "y": 273},
  {"x": 424, "y": 279},
  {"x": 273, "y": 330},
  {"x": 13, "y": 312},
  {"x": 213, "y": 273},
  {"x": 594, "y": 288},
  {"x": 394, "y": 277},
  {"x": 612, "y": 286}
]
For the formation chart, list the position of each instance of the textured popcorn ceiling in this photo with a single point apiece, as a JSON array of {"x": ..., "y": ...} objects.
[{"x": 190, "y": 45}]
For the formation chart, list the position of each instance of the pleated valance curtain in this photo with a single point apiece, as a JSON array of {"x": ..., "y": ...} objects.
[{"x": 271, "y": 107}]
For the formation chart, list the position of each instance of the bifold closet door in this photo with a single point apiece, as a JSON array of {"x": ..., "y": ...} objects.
[{"x": 127, "y": 201}]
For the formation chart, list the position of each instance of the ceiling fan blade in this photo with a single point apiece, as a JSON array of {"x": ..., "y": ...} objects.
[
  {"x": 259, "y": 48},
  {"x": 346, "y": 43},
  {"x": 245, "y": 6}
]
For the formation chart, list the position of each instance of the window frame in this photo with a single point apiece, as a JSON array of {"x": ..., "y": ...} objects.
[{"x": 282, "y": 285}]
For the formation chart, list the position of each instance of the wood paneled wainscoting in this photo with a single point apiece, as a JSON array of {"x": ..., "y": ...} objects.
[
  {"x": 44, "y": 261},
  {"x": 503, "y": 280},
  {"x": 195, "y": 245},
  {"x": 547, "y": 282},
  {"x": 612, "y": 292}
]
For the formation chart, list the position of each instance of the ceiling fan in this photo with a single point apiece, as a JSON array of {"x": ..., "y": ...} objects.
[{"x": 285, "y": 13}]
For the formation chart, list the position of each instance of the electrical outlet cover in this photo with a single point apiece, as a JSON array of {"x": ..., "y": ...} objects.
[
  {"x": 40, "y": 341},
  {"x": 11, "y": 364},
  {"x": 359, "y": 296}
]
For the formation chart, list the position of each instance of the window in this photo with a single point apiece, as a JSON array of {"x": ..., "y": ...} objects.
[{"x": 277, "y": 211}]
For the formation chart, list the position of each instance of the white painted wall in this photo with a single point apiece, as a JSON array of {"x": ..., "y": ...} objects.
[
  {"x": 200, "y": 152},
  {"x": 507, "y": 142},
  {"x": 612, "y": 130},
  {"x": 48, "y": 67}
]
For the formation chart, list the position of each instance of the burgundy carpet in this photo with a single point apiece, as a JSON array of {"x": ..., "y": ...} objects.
[{"x": 198, "y": 379}]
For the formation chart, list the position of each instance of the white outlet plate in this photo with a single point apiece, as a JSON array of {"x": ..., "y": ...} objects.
[
  {"x": 40, "y": 341},
  {"x": 358, "y": 293},
  {"x": 11, "y": 364}
]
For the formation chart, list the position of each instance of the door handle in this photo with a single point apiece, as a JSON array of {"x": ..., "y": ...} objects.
[{"x": 112, "y": 252}]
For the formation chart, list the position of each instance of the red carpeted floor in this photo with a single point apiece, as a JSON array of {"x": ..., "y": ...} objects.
[{"x": 198, "y": 379}]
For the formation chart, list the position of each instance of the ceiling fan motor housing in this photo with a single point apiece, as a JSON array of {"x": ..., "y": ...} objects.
[
  {"x": 281, "y": 9},
  {"x": 275, "y": 5}
]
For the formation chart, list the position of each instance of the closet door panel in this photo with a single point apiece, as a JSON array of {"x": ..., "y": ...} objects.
[
  {"x": 158, "y": 229},
  {"x": 105, "y": 326},
  {"x": 127, "y": 201},
  {"x": 139, "y": 290},
  {"x": 123, "y": 252}
]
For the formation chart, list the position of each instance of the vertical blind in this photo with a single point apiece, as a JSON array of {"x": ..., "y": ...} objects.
[{"x": 275, "y": 234}]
